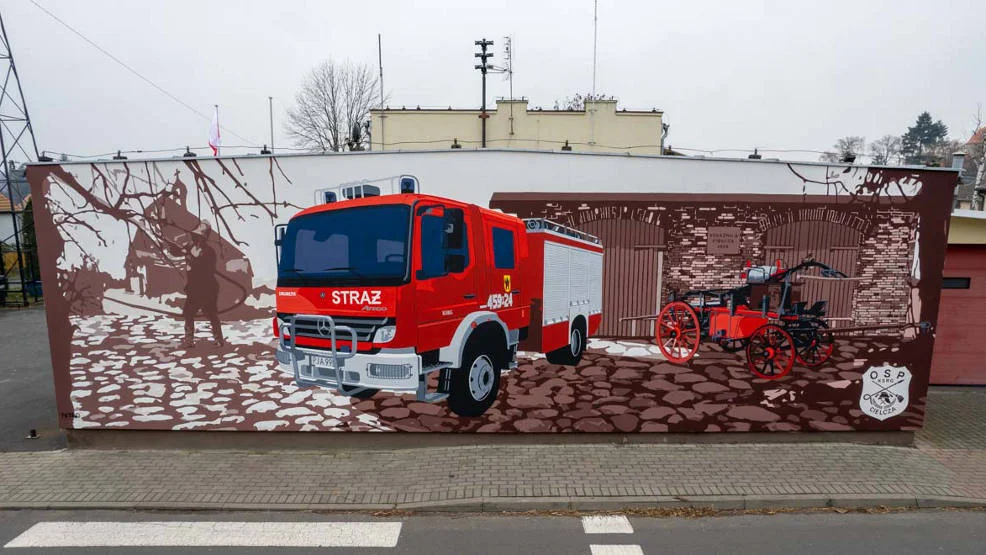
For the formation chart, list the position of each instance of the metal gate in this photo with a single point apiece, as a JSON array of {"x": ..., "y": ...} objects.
[
  {"x": 833, "y": 244},
  {"x": 633, "y": 260}
]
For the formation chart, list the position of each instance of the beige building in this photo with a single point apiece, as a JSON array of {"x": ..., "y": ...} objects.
[{"x": 598, "y": 128}]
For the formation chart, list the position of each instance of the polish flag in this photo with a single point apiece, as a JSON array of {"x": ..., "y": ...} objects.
[{"x": 215, "y": 139}]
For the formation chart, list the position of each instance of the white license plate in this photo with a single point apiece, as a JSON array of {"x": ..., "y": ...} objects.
[{"x": 321, "y": 362}]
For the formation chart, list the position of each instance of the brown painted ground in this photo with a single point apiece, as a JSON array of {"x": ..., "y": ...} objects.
[
  {"x": 130, "y": 373},
  {"x": 606, "y": 393}
]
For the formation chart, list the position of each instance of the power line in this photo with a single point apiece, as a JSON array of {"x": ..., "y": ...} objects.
[{"x": 132, "y": 70}]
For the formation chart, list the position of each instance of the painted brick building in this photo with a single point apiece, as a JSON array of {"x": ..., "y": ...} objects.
[{"x": 657, "y": 244}]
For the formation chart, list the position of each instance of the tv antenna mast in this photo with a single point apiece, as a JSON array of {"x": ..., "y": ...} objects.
[
  {"x": 16, "y": 142},
  {"x": 508, "y": 52},
  {"x": 508, "y": 71}
]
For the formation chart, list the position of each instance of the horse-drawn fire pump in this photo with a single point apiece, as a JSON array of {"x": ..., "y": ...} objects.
[{"x": 765, "y": 316}]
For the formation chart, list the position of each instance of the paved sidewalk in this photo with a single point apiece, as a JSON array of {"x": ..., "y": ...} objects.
[
  {"x": 955, "y": 435},
  {"x": 948, "y": 467}
]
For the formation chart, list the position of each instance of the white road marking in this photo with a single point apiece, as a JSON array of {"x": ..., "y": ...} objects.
[
  {"x": 154, "y": 534},
  {"x": 616, "y": 550},
  {"x": 606, "y": 525}
]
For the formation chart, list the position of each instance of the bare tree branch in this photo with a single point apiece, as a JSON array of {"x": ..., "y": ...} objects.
[
  {"x": 885, "y": 151},
  {"x": 332, "y": 100},
  {"x": 846, "y": 149}
]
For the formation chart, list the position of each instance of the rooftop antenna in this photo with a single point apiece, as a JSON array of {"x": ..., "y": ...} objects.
[{"x": 509, "y": 70}]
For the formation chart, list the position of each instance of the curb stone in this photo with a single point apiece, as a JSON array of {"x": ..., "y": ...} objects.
[{"x": 521, "y": 504}]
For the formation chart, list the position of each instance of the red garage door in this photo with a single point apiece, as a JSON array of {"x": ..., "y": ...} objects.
[{"x": 960, "y": 352}]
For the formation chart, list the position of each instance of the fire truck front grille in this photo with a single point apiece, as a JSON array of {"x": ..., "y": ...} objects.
[{"x": 365, "y": 327}]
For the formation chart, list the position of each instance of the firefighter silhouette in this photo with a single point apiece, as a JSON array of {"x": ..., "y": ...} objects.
[{"x": 201, "y": 287}]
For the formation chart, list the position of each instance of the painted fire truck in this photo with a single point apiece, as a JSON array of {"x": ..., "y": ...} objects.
[{"x": 380, "y": 292}]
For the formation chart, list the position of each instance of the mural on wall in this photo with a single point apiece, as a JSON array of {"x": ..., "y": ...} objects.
[{"x": 184, "y": 306}]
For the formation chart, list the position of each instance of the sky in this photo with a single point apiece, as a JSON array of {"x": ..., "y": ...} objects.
[{"x": 782, "y": 75}]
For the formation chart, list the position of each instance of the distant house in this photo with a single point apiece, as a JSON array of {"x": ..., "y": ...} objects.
[
  {"x": 7, "y": 213},
  {"x": 959, "y": 352},
  {"x": 971, "y": 192},
  {"x": 10, "y": 208}
]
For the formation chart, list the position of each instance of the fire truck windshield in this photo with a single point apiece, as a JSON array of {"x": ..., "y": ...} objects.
[{"x": 365, "y": 245}]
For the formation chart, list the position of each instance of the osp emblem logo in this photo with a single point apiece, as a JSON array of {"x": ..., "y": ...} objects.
[
  {"x": 506, "y": 283},
  {"x": 885, "y": 391}
]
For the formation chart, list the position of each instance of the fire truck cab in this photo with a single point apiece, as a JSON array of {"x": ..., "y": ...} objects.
[{"x": 379, "y": 292}]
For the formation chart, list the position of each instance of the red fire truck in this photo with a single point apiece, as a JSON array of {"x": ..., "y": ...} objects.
[{"x": 378, "y": 292}]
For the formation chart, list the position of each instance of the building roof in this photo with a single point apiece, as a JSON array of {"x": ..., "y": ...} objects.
[
  {"x": 496, "y": 151},
  {"x": 966, "y": 188},
  {"x": 970, "y": 214},
  {"x": 531, "y": 110},
  {"x": 978, "y": 136},
  {"x": 5, "y": 203},
  {"x": 19, "y": 189}
]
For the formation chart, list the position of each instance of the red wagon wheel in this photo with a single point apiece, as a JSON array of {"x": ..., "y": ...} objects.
[
  {"x": 770, "y": 352},
  {"x": 678, "y": 332}
]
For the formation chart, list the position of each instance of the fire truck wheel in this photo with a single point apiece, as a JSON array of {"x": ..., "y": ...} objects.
[
  {"x": 474, "y": 384},
  {"x": 358, "y": 392},
  {"x": 571, "y": 354}
]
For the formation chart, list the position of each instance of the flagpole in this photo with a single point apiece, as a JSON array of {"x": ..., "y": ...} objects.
[{"x": 218, "y": 133}]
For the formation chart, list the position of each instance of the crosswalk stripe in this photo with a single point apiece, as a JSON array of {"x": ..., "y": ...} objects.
[
  {"x": 258, "y": 534},
  {"x": 616, "y": 550},
  {"x": 606, "y": 525}
]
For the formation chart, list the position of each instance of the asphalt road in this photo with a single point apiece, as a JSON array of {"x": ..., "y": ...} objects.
[
  {"x": 869, "y": 534},
  {"x": 27, "y": 393}
]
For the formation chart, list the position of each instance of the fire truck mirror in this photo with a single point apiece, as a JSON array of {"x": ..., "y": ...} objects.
[{"x": 279, "y": 231}]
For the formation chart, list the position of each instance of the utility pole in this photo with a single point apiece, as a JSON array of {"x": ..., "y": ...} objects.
[
  {"x": 483, "y": 67},
  {"x": 16, "y": 135},
  {"x": 383, "y": 116},
  {"x": 592, "y": 112},
  {"x": 595, "y": 24}
]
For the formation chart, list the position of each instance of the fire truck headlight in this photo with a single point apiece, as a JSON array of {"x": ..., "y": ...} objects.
[{"x": 385, "y": 334}]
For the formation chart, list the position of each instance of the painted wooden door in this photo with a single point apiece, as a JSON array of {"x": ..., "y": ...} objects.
[{"x": 632, "y": 267}]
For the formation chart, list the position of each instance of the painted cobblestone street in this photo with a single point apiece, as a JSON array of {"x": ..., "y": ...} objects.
[{"x": 130, "y": 372}]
